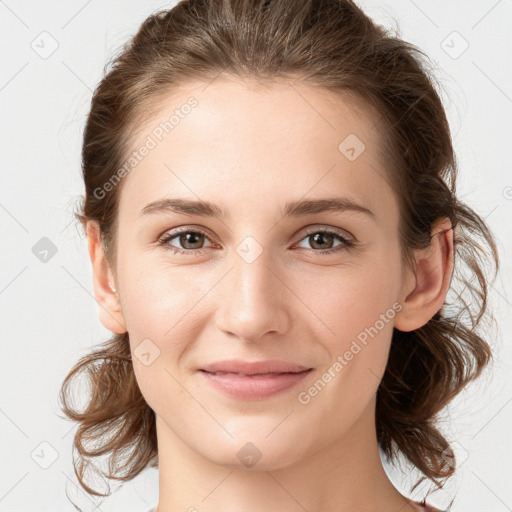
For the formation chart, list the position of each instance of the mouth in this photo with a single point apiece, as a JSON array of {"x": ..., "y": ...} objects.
[
  {"x": 269, "y": 374},
  {"x": 255, "y": 386},
  {"x": 250, "y": 368}
]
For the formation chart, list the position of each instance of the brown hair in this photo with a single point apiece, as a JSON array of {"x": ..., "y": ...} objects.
[{"x": 333, "y": 45}]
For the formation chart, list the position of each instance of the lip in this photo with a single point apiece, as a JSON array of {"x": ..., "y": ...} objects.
[
  {"x": 254, "y": 367},
  {"x": 253, "y": 380}
]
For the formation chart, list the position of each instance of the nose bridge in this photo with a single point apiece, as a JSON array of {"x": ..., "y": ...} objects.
[{"x": 251, "y": 301}]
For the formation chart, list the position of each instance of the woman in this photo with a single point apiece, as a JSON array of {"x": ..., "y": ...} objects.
[{"x": 273, "y": 228}]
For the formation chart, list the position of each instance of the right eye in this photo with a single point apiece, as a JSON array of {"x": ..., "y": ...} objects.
[{"x": 185, "y": 237}]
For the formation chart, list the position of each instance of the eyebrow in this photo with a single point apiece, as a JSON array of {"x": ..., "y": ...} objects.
[{"x": 291, "y": 209}]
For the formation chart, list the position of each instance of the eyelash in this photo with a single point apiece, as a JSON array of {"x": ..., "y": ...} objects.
[{"x": 346, "y": 243}]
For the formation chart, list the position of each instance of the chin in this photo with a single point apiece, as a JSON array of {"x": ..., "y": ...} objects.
[{"x": 253, "y": 453}]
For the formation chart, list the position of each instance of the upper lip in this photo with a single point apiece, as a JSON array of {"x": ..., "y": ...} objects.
[{"x": 254, "y": 367}]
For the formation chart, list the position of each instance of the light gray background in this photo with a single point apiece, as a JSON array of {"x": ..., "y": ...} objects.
[{"x": 48, "y": 312}]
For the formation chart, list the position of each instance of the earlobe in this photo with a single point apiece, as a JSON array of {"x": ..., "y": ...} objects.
[
  {"x": 109, "y": 308},
  {"x": 431, "y": 280}
]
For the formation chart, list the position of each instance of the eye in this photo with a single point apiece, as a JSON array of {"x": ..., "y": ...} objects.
[
  {"x": 321, "y": 239},
  {"x": 190, "y": 240},
  {"x": 324, "y": 238}
]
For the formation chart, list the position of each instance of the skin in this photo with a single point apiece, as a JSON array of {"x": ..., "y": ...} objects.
[{"x": 252, "y": 149}]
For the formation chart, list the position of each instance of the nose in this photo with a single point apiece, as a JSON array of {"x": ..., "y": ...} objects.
[{"x": 253, "y": 301}]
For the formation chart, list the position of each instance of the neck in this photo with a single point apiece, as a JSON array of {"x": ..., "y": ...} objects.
[{"x": 344, "y": 476}]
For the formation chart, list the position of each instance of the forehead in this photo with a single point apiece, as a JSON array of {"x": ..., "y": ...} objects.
[{"x": 230, "y": 141}]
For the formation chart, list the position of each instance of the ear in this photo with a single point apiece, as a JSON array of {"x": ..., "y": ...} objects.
[
  {"x": 104, "y": 284},
  {"x": 425, "y": 289}
]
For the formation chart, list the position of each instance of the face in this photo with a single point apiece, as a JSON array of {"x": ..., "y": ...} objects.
[{"x": 305, "y": 285}]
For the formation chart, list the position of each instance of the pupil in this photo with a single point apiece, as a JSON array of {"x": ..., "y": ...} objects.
[
  {"x": 321, "y": 236},
  {"x": 186, "y": 238}
]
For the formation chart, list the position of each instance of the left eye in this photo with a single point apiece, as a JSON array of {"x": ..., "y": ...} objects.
[{"x": 318, "y": 237}]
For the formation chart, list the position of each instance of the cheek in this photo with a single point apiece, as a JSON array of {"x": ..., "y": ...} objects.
[
  {"x": 353, "y": 299},
  {"x": 163, "y": 313},
  {"x": 166, "y": 310},
  {"x": 158, "y": 297},
  {"x": 356, "y": 309}
]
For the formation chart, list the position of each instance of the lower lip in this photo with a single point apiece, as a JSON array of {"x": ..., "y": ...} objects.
[{"x": 253, "y": 387}]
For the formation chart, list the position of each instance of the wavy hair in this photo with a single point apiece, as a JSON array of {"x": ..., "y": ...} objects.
[{"x": 333, "y": 45}]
